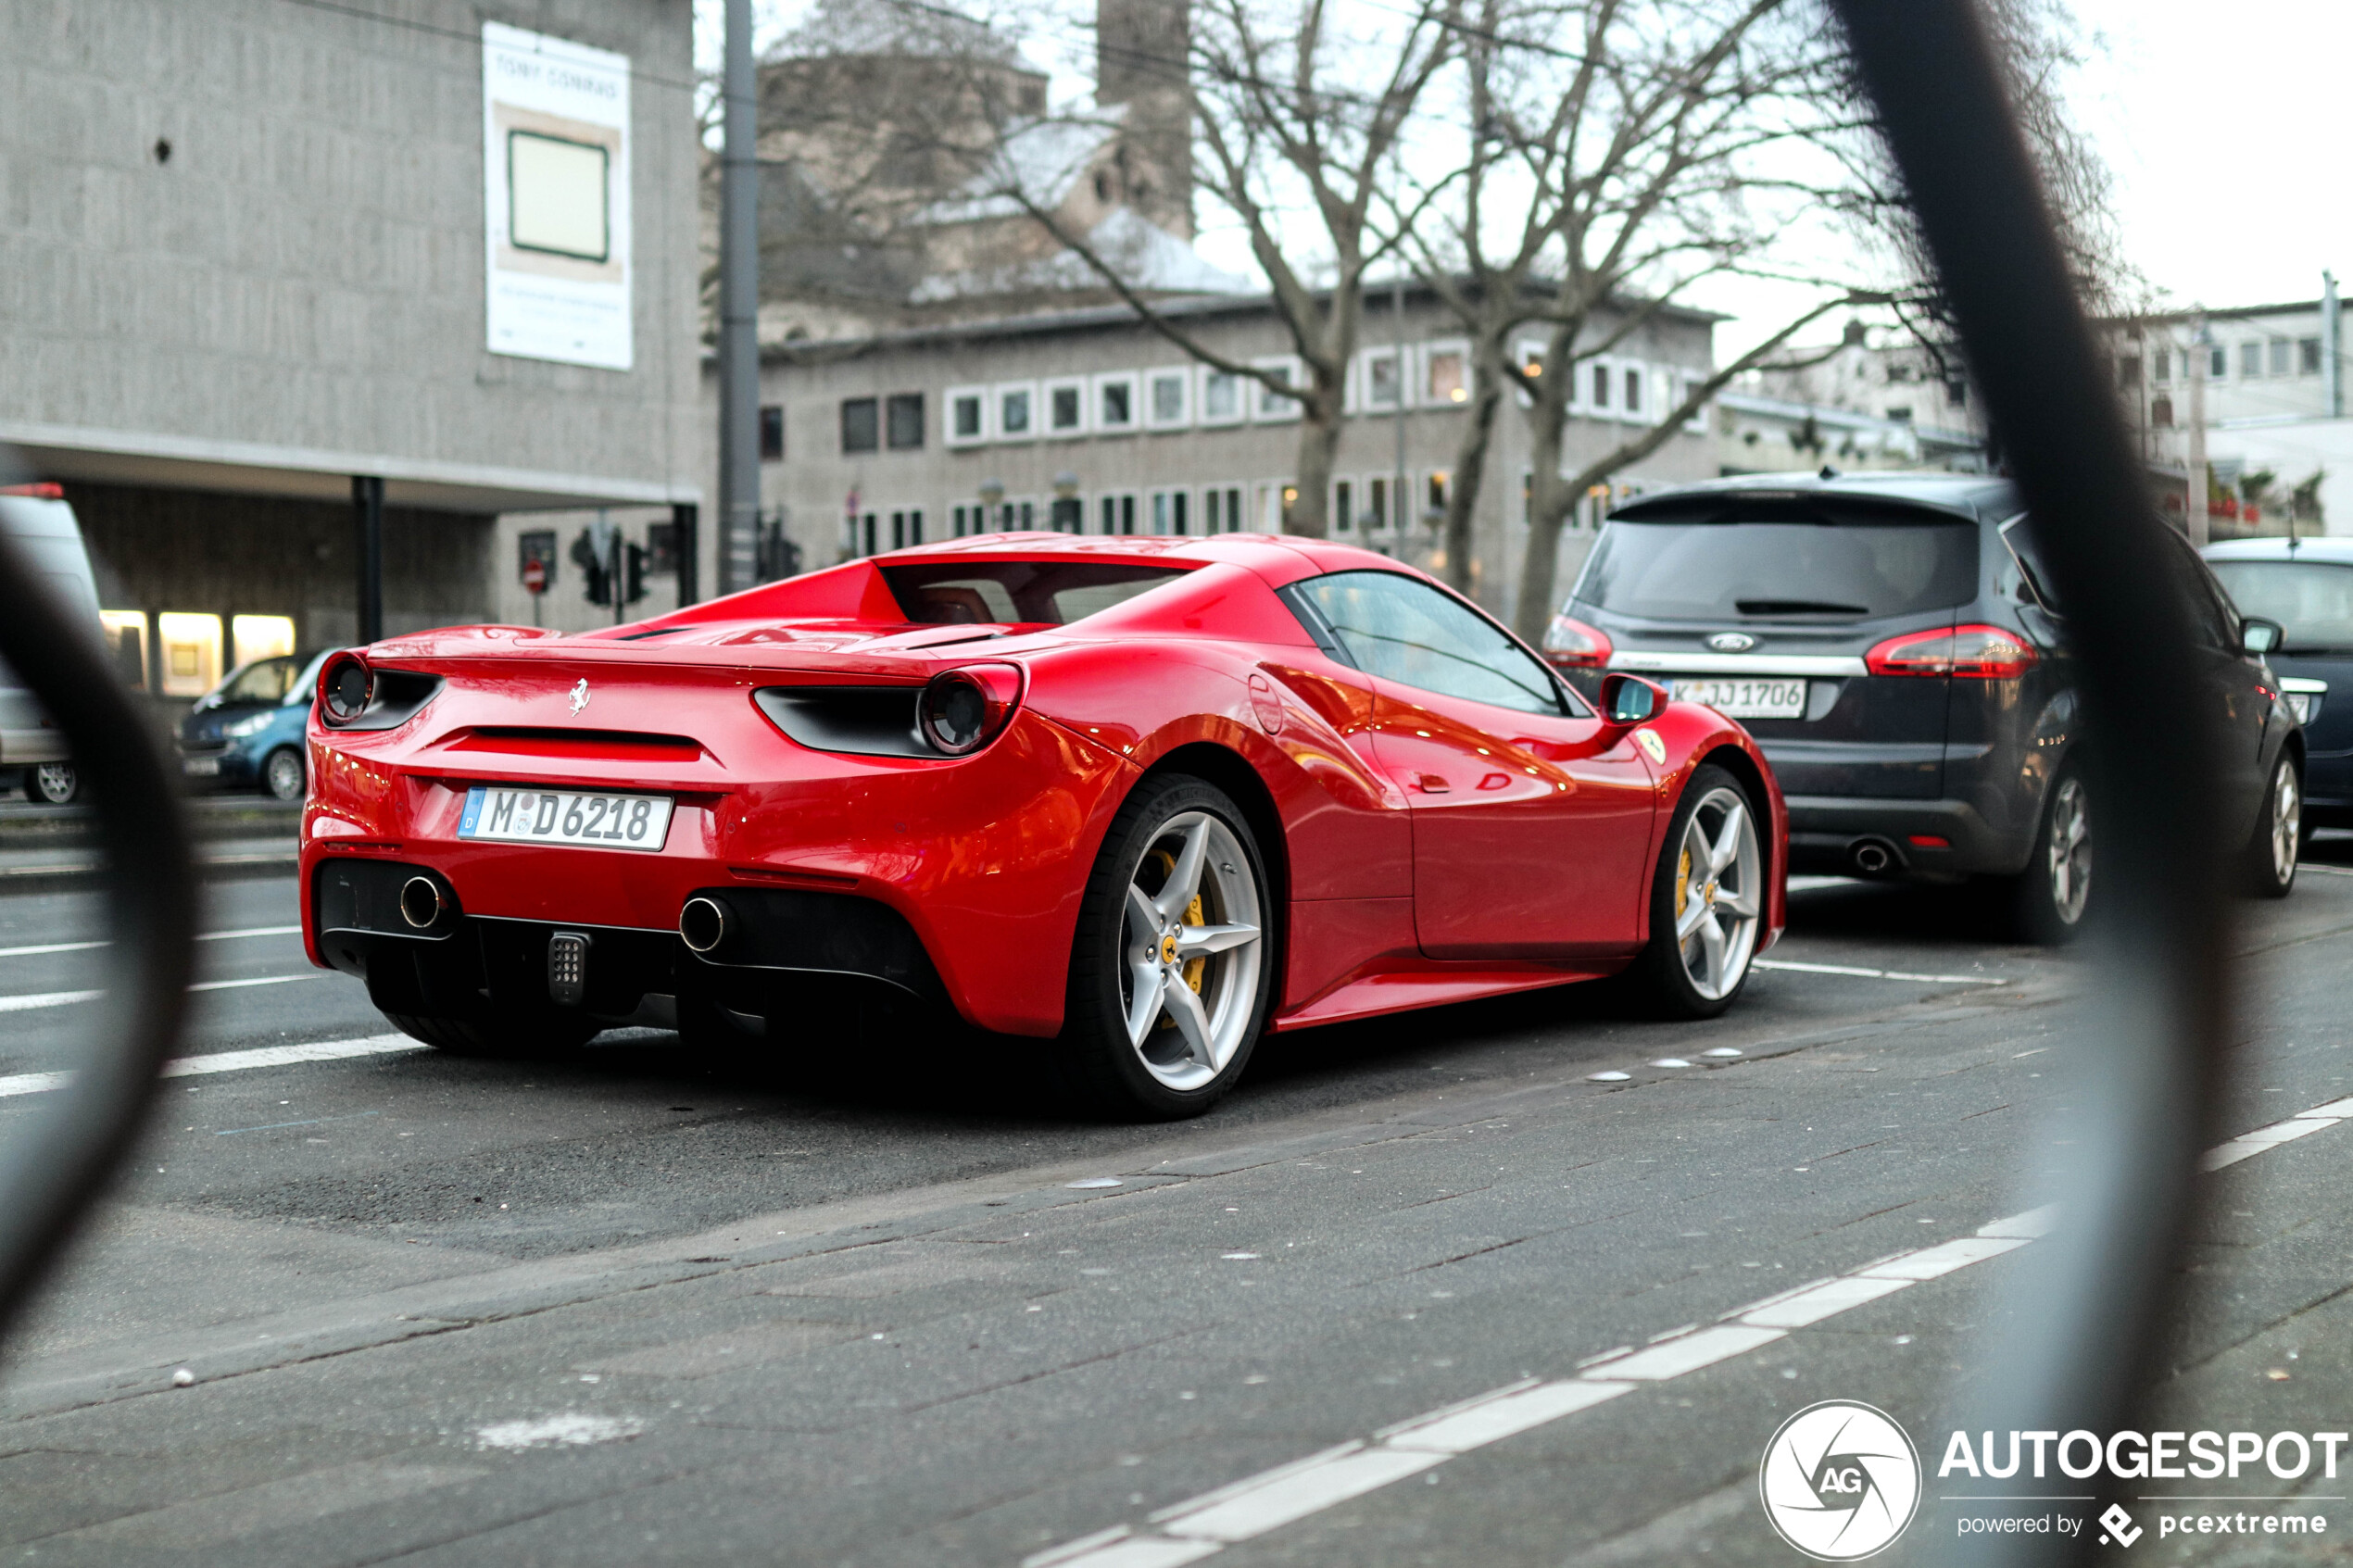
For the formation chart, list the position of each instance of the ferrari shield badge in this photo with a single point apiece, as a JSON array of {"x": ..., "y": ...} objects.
[{"x": 1652, "y": 747}]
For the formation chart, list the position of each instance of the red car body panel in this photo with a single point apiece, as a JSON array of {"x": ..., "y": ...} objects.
[{"x": 1528, "y": 865}]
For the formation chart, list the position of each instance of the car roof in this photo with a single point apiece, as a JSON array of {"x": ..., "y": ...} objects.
[
  {"x": 1987, "y": 496},
  {"x": 2337, "y": 551}
]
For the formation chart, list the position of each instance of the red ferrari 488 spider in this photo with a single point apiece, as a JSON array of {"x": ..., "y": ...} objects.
[{"x": 1141, "y": 798}]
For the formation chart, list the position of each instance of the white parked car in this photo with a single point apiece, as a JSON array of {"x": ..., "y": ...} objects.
[{"x": 41, "y": 523}]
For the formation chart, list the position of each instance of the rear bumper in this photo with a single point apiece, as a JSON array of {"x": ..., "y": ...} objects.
[{"x": 1831, "y": 835}]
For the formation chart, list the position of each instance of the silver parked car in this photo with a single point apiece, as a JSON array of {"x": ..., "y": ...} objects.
[{"x": 41, "y": 523}]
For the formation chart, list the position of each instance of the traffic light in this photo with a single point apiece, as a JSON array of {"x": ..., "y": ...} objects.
[
  {"x": 632, "y": 574},
  {"x": 596, "y": 573}
]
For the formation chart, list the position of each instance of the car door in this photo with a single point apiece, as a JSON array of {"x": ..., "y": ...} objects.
[
  {"x": 1530, "y": 817},
  {"x": 2239, "y": 686}
]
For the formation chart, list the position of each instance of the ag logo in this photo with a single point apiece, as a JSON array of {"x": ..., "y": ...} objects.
[
  {"x": 1652, "y": 747},
  {"x": 1839, "y": 1481},
  {"x": 2120, "y": 1524},
  {"x": 1731, "y": 642}
]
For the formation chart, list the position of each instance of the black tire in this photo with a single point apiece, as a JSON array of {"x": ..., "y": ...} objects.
[
  {"x": 1106, "y": 1070},
  {"x": 285, "y": 775},
  {"x": 2267, "y": 865},
  {"x": 2052, "y": 901},
  {"x": 523, "y": 1037},
  {"x": 1659, "y": 980}
]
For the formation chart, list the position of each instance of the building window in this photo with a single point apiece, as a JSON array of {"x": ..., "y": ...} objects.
[
  {"x": 2162, "y": 412},
  {"x": 1343, "y": 507},
  {"x": 1221, "y": 511},
  {"x": 1273, "y": 405},
  {"x": 1290, "y": 507},
  {"x": 2218, "y": 363},
  {"x": 191, "y": 647},
  {"x": 1957, "y": 393},
  {"x": 1633, "y": 404},
  {"x": 772, "y": 434},
  {"x": 1118, "y": 513},
  {"x": 860, "y": 425},
  {"x": 2308, "y": 356},
  {"x": 1065, "y": 408},
  {"x": 1065, "y": 514},
  {"x": 1447, "y": 379},
  {"x": 906, "y": 420},
  {"x": 1435, "y": 492},
  {"x": 967, "y": 416},
  {"x": 1168, "y": 512},
  {"x": 1381, "y": 380},
  {"x": 1377, "y": 503},
  {"x": 2279, "y": 355},
  {"x": 1115, "y": 404},
  {"x": 2250, "y": 361},
  {"x": 1601, "y": 386},
  {"x": 2128, "y": 371},
  {"x": 1166, "y": 399},
  {"x": 1900, "y": 413},
  {"x": 906, "y": 527},
  {"x": 1221, "y": 396},
  {"x": 1015, "y": 412},
  {"x": 2161, "y": 366}
]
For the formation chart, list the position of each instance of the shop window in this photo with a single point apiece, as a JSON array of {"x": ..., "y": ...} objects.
[
  {"x": 127, "y": 642},
  {"x": 260, "y": 636},
  {"x": 189, "y": 645}
]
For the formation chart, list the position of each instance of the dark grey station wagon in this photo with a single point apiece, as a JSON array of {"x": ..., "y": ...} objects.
[{"x": 1889, "y": 641}]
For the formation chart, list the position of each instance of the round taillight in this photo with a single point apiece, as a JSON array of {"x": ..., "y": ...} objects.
[
  {"x": 963, "y": 709},
  {"x": 1574, "y": 644},
  {"x": 344, "y": 690}
]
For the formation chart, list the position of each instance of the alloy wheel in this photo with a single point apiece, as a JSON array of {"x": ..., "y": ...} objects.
[
  {"x": 2287, "y": 823},
  {"x": 1719, "y": 894},
  {"x": 283, "y": 775},
  {"x": 2070, "y": 851},
  {"x": 1191, "y": 949},
  {"x": 54, "y": 782}
]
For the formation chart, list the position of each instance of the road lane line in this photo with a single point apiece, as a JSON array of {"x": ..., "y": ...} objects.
[
  {"x": 1875, "y": 974},
  {"x": 235, "y": 1061},
  {"x": 68, "y": 998},
  {"x": 1254, "y": 1505},
  {"x": 201, "y": 936}
]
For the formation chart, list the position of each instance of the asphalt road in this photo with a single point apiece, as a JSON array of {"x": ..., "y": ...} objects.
[{"x": 650, "y": 1307}]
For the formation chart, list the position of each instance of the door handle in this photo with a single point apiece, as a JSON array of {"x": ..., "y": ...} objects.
[{"x": 1430, "y": 784}]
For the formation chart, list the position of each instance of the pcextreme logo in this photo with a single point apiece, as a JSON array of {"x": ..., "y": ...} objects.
[{"x": 1840, "y": 1481}]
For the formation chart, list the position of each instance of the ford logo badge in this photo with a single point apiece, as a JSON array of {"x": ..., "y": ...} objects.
[{"x": 1731, "y": 642}]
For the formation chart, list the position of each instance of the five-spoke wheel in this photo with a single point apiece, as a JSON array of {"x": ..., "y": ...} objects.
[
  {"x": 1708, "y": 900},
  {"x": 1171, "y": 971},
  {"x": 2271, "y": 855}
]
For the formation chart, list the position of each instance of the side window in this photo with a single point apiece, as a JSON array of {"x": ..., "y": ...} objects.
[
  {"x": 2217, "y": 626},
  {"x": 2018, "y": 533},
  {"x": 1409, "y": 632}
]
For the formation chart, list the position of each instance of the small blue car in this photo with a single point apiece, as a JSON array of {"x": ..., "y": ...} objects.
[{"x": 247, "y": 732}]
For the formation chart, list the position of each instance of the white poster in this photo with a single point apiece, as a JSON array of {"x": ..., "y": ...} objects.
[{"x": 555, "y": 181}]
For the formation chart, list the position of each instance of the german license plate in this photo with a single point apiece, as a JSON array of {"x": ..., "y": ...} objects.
[
  {"x": 1746, "y": 699},
  {"x": 200, "y": 767},
  {"x": 563, "y": 816}
]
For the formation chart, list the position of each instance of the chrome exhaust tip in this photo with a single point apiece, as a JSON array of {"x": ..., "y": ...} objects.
[
  {"x": 702, "y": 924},
  {"x": 422, "y": 903},
  {"x": 1874, "y": 856}
]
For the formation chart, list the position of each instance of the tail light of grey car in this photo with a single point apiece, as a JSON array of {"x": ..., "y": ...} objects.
[
  {"x": 1572, "y": 643},
  {"x": 1976, "y": 653}
]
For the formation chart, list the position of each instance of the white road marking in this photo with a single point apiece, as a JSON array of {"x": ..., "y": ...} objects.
[
  {"x": 1201, "y": 1526},
  {"x": 570, "y": 1430},
  {"x": 201, "y": 936},
  {"x": 1875, "y": 974},
  {"x": 66, "y": 999},
  {"x": 235, "y": 1061}
]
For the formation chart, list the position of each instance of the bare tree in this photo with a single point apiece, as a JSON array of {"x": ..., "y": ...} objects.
[{"x": 1300, "y": 123}]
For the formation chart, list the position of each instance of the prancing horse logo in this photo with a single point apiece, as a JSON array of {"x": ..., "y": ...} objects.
[{"x": 580, "y": 697}]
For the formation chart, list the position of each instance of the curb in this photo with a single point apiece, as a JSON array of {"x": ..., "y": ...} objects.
[{"x": 63, "y": 875}]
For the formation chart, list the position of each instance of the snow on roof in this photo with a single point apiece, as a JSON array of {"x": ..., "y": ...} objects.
[
  {"x": 894, "y": 28},
  {"x": 1148, "y": 258},
  {"x": 1043, "y": 159}
]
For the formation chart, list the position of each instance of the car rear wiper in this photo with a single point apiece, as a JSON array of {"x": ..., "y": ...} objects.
[{"x": 1797, "y": 607}]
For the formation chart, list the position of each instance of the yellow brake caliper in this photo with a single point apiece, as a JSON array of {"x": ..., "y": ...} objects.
[
  {"x": 1196, "y": 968},
  {"x": 1682, "y": 884}
]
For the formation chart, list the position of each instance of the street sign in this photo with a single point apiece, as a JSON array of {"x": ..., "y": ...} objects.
[{"x": 535, "y": 577}]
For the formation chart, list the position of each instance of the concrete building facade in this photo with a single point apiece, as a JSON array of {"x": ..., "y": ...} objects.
[
  {"x": 264, "y": 264},
  {"x": 1088, "y": 420}
]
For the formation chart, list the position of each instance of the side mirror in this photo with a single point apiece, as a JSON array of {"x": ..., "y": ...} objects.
[
  {"x": 1629, "y": 699},
  {"x": 2259, "y": 635}
]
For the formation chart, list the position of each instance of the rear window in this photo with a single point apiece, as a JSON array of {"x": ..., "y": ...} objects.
[
  {"x": 1018, "y": 593},
  {"x": 2312, "y": 600},
  {"x": 1788, "y": 569}
]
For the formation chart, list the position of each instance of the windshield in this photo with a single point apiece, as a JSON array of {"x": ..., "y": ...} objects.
[
  {"x": 265, "y": 680},
  {"x": 2312, "y": 600},
  {"x": 1780, "y": 571},
  {"x": 1018, "y": 593}
]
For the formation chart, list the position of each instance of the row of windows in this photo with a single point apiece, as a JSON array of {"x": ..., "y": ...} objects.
[
  {"x": 1186, "y": 396},
  {"x": 2257, "y": 358}
]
